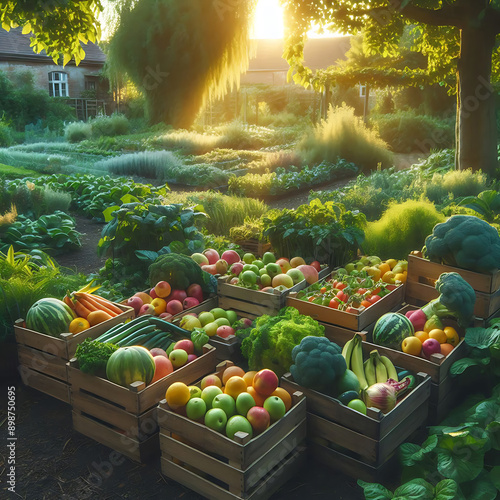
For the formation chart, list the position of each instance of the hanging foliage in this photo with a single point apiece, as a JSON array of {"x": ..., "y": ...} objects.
[{"x": 182, "y": 53}]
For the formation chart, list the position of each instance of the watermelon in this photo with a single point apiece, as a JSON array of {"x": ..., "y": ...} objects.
[
  {"x": 130, "y": 364},
  {"x": 50, "y": 316},
  {"x": 391, "y": 329}
]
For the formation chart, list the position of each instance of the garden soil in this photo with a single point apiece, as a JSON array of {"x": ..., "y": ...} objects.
[{"x": 54, "y": 462}]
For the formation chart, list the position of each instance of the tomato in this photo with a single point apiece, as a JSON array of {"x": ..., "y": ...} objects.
[
  {"x": 311, "y": 298},
  {"x": 334, "y": 304},
  {"x": 342, "y": 296},
  {"x": 323, "y": 290},
  {"x": 391, "y": 287},
  {"x": 351, "y": 310},
  {"x": 341, "y": 286},
  {"x": 334, "y": 283},
  {"x": 361, "y": 291},
  {"x": 376, "y": 291},
  {"x": 373, "y": 298},
  {"x": 366, "y": 303}
]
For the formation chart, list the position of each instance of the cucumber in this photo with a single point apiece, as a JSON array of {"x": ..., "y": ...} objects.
[
  {"x": 154, "y": 341},
  {"x": 135, "y": 341},
  {"x": 133, "y": 332},
  {"x": 121, "y": 328},
  {"x": 169, "y": 327},
  {"x": 348, "y": 396}
]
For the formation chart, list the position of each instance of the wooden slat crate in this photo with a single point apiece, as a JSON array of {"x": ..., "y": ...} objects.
[
  {"x": 351, "y": 321},
  {"x": 217, "y": 467},
  {"x": 422, "y": 275},
  {"x": 124, "y": 418},
  {"x": 355, "y": 444},
  {"x": 43, "y": 358},
  {"x": 245, "y": 301}
]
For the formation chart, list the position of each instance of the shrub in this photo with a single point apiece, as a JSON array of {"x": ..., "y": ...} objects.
[
  {"x": 5, "y": 135},
  {"x": 53, "y": 200},
  {"x": 406, "y": 131},
  {"x": 237, "y": 135},
  {"x": 77, "y": 131},
  {"x": 402, "y": 228},
  {"x": 272, "y": 161},
  {"x": 188, "y": 142},
  {"x": 343, "y": 135},
  {"x": 251, "y": 229},
  {"x": 110, "y": 126}
]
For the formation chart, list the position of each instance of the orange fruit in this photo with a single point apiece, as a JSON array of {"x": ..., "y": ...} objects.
[
  {"x": 452, "y": 336},
  {"x": 439, "y": 335},
  {"x": 96, "y": 317},
  {"x": 401, "y": 277},
  {"x": 248, "y": 377},
  {"x": 78, "y": 325},
  {"x": 422, "y": 336},
  {"x": 145, "y": 297},
  {"x": 234, "y": 386},
  {"x": 446, "y": 349},
  {"x": 284, "y": 395},
  {"x": 232, "y": 371},
  {"x": 177, "y": 394},
  {"x": 384, "y": 268},
  {"x": 258, "y": 398}
]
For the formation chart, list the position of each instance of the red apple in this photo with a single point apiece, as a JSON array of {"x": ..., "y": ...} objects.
[
  {"x": 174, "y": 307},
  {"x": 236, "y": 268},
  {"x": 310, "y": 273},
  {"x": 194, "y": 290},
  {"x": 163, "y": 367},
  {"x": 146, "y": 309},
  {"x": 191, "y": 357},
  {"x": 156, "y": 351},
  {"x": 179, "y": 295},
  {"x": 212, "y": 255},
  {"x": 152, "y": 293},
  {"x": 225, "y": 331},
  {"x": 230, "y": 256},
  {"x": 186, "y": 345},
  {"x": 265, "y": 382},
  {"x": 430, "y": 347},
  {"x": 136, "y": 303},
  {"x": 234, "y": 280},
  {"x": 166, "y": 316},
  {"x": 259, "y": 419},
  {"x": 316, "y": 265},
  {"x": 189, "y": 302}
]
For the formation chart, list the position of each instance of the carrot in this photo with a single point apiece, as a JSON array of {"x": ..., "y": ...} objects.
[
  {"x": 103, "y": 301},
  {"x": 98, "y": 307},
  {"x": 67, "y": 300},
  {"x": 81, "y": 310},
  {"x": 91, "y": 307}
]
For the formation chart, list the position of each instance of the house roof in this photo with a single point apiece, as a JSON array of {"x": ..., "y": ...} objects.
[
  {"x": 16, "y": 46},
  {"x": 318, "y": 53}
]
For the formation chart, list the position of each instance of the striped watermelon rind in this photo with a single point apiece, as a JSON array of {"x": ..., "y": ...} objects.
[
  {"x": 50, "y": 316},
  {"x": 130, "y": 364},
  {"x": 391, "y": 329}
]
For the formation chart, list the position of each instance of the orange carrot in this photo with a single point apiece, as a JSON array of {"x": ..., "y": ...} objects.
[
  {"x": 67, "y": 300},
  {"x": 96, "y": 305},
  {"x": 101, "y": 300},
  {"x": 81, "y": 310},
  {"x": 91, "y": 307}
]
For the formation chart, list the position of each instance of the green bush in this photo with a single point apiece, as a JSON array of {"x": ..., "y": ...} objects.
[
  {"x": 187, "y": 142},
  {"x": 402, "y": 228},
  {"x": 343, "y": 135},
  {"x": 274, "y": 160},
  {"x": 5, "y": 135},
  {"x": 77, "y": 131},
  {"x": 53, "y": 200},
  {"x": 237, "y": 135},
  {"x": 407, "y": 131},
  {"x": 110, "y": 126}
]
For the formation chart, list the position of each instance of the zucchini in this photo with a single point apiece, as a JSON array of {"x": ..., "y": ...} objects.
[
  {"x": 169, "y": 327},
  {"x": 133, "y": 332},
  {"x": 155, "y": 341},
  {"x": 135, "y": 341},
  {"x": 122, "y": 327}
]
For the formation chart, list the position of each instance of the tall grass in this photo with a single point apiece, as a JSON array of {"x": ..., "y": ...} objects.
[
  {"x": 344, "y": 135},
  {"x": 110, "y": 126},
  {"x": 35, "y": 161},
  {"x": 77, "y": 131},
  {"x": 187, "y": 142}
]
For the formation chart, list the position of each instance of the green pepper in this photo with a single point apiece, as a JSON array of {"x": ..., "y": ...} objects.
[{"x": 199, "y": 339}]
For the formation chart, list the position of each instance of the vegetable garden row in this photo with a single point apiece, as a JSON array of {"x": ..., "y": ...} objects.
[{"x": 231, "y": 367}]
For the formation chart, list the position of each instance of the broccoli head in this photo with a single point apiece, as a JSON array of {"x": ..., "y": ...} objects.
[
  {"x": 464, "y": 241},
  {"x": 318, "y": 364},
  {"x": 457, "y": 299}
]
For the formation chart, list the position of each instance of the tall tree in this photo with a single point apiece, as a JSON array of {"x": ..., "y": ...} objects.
[
  {"x": 460, "y": 36},
  {"x": 181, "y": 53},
  {"x": 57, "y": 26}
]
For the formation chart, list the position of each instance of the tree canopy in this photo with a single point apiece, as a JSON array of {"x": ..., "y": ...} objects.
[{"x": 57, "y": 26}]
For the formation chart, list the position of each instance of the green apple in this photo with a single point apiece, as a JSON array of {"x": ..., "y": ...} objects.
[
  {"x": 248, "y": 277},
  {"x": 244, "y": 402},
  {"x": 358, "y": 405},
  {"x": 275, "y": 407},
  {"x": 178, "y": 358},
  {"x": 205, "y": 317},
  {"x": 273, "y": 269},
  {"x": 218, "y": 312},
  {"x": 248, "y": 258},
  {"x": 258, "y": 263},
  {"x": 251, "y": 267},
  {"x": 238, "y": 423},
  {"x": 209, "y": 393},
  {"x": 296, "y": 275},
  {"x": 211, "y": 328},
  {"x": 189, "y": 322},
  {"x": 216, "y": 419},
  {"x": 196, "y": 408},
  {"x": 226, "y": 403},
  {"x": 265, "y": 280},
  {"x": 350, "y": 267},
  {"x": 231, "y": 316},
  {"x": 222, "y": 322},
  {"x": 194, "y": 391},
  {"x": 263, "y": 271},
  {"x": 268, "y": 257}
]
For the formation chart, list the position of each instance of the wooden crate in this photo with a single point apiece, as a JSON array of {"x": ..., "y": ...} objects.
[
  {"x": 43, "y": 358},
  {"x": 124, "y": 418},
  {"x": 355, "y": 444},
  {"x": 254, "y": 302},
  {"x": 356, "y": 322},
  {"x": 257, "y": 247},
  {"x": 217, "y": 467},
  {"x": 422, "y": 275}
]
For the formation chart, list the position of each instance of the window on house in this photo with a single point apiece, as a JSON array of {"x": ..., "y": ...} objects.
[
  {"x": 58, "y": 84},
  {"x": 362, "y": 90},
  {"x": 90, "y": 84}
]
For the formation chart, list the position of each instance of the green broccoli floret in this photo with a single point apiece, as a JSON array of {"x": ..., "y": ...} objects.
[
  {"x": 180, "y": 271},
  {"x": 93, "y": 356},
  {"x": 457, "y": 299},
  {"x": 464, "y": 241},
  {"x": 318, "y": 364},
  {"x": 270, "y": 342}
]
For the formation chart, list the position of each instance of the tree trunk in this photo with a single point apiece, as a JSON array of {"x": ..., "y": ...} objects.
[{"x": 476, "y": 123}]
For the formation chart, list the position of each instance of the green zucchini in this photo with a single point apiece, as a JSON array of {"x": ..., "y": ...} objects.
[
  {"x": 169, "y": 327},
  {"x": 133, "y": 332},
  {"x": 117, "y": 330},
  {"x": 155, "y": 341}
]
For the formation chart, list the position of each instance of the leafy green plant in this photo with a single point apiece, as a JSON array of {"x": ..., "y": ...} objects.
[
  {"x": 251, "y": 229},
  {"x": 116, "y": 124},
  {"x": 77, "y": 131},
  {"x": 486, "y": 204},
  {"x": 324, "y": 232},
  {"x": 344, "y": 135},
  {"x": 402, "y": 228}
]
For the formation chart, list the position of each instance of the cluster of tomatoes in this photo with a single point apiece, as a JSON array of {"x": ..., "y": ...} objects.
[{"x": 347, "y": 293}]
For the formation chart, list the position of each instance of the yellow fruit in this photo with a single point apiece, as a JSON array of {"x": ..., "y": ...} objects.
[
  {"x": 78, "y": 325},
  {"x": 452, "y": 336},
  {"x": 232, "y": 371},
  {"x": 248, "y": 377},
  {"x": 389, "y": 277},
  {"x": 439, "y": 335},
  {"x": 422, "y": 336},
  {"x": 384, "y": 268},
  {"x": 177, "y": 394},
  {"x": 374, "y": 272},
  {"x": 392, "y": 263},
  {"x": 446, "y": 349},
  {"x": 401, "y": 277},
  {"x": 411, "y": 345},
  {"x": 234, "y": 386}
]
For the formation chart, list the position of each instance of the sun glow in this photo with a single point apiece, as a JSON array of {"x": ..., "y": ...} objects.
[{"x": 268, "y": 21}]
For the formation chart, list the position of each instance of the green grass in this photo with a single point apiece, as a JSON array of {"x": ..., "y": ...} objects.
[{"x": 16, "y": 172}]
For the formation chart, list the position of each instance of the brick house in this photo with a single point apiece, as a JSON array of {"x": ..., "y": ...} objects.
[{"x": 86, "y": 88}]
